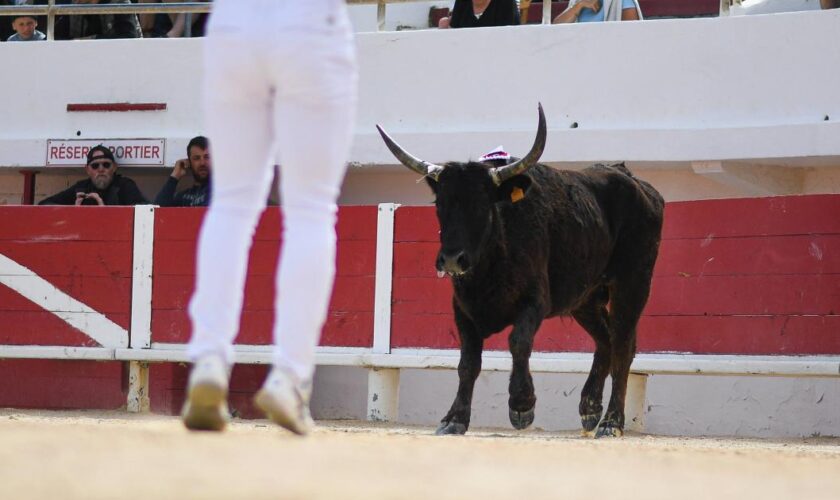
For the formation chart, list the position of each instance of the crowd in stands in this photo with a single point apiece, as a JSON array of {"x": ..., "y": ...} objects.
[
  {"x": 104, "y": 186},
  {"x": 481, "y": 13},
  {"x": 103, "y": 26},
  {"x": 464, "y": 14}
]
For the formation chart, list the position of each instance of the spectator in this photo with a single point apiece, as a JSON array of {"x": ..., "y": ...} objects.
[
  {"x": 97, "y": 25},
  {"x": 103, "y": 185},
  {"x": 198, "y": 162},
  {"x": 829, "y": 4},
  {"x": 481, "y": 13},
  {"x": 172, "y": 25},
  {"x": 6, "y": 29},
  {"x": 25, "y": 30},
  {"x": 524, "y": 7},
  {"x": 587, "y": 11}
]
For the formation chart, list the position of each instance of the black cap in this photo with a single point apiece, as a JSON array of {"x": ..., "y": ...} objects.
[{"x": 105, "y": 151}]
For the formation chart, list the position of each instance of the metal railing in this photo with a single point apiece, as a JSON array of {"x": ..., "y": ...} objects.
[
  {"x": 51, "y": 10},
  {"x": 380, "y": 11}
]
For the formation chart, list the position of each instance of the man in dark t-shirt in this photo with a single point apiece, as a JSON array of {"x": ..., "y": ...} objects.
[
  {"x": 103, "y": 185},
  {"x": 198, "y": 162}
]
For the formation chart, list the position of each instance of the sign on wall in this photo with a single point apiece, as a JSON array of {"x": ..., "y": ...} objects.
[{"x": 145, "y": 152}]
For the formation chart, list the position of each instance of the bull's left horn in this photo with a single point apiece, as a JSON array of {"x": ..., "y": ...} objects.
[
  {"x": 420, "y": 166},
  {"x": 501, "y": 174}
]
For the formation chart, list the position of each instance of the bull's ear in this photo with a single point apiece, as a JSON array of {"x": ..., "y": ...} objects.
[{"x": 513, "y": 190}]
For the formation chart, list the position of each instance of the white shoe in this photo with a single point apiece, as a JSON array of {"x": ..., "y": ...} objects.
[
  {"x": 286, "y": 403},
  {"x": 206, "y": 407}
]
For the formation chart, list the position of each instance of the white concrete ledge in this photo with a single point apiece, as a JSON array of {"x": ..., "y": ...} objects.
[{"x": 652, "y": 364}]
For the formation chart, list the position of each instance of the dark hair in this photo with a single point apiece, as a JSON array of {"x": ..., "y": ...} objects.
[{"x": 199, "y": 141}]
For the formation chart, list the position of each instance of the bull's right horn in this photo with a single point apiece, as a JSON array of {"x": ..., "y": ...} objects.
[
  {"x": 416, "y": 164},
  {"x": 501, "y": 174}
]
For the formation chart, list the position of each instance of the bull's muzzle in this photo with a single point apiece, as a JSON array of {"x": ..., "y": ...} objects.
[{"x": 454, "y": 263}]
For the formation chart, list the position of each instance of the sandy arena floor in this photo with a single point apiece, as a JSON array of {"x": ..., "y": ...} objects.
[{"x": 60, "y": 455}]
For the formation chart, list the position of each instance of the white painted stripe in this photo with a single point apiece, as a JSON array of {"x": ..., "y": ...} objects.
[
  {"x": 654, "y": 364},
  {"x": 55, "y": 352},
  {"x": 78, "y": 315},
  {"x": 141, "y": 290},
  {"x": 384, "y": 274}
]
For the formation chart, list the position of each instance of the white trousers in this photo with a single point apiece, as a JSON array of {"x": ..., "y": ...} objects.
[{"x": 284, "y": 93}]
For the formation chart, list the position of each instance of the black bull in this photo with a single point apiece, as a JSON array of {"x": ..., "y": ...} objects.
[{"x": 523, "y": 242}]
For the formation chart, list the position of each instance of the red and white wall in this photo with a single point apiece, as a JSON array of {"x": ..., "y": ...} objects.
[
  {"x": 743, "y": 277},
  {"x": 704, "y": 108}
]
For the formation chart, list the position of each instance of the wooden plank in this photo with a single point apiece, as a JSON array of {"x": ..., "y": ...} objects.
[
  {"x": 44, "y": 328},
  {"x": 808, "y": 254},
  {"x": 748, "y": 335},
  {"x": 60, "y": 384},
  {"x": 64, "y": 258},
  {"x": 342, "y": 328},
  {"x": 740, "y": 334},
  {"x": 750, "y": 295},
  {"x": 353, "y": 293},
  {"x": 756, "y": 255},
  {"x": 353, "y": 258},
  {"x": 179, "y": 224},
  {"x": 61, "y": 223},
  {"x": 105, "y": 295},
  {"x": 782, "y": 215}
]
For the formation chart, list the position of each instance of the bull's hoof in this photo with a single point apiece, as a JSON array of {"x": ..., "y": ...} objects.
[
  {"x": 521, "y": 419},
  {"x": 589, "y": 423},
  {"x": 451, "y": 428},
  {"x": 609, "y": 430}
]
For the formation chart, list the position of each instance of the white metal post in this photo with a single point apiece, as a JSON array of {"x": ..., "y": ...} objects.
[
  {"x": 383, "y": 394},
  {"x": 635, "y": 402},
  {"x": 138, "y": 387},
  {"x": 384, "y": 276},
  {"x": 546, "y": 17},
  {"x": 380, "y": 15},
  {"x": 140, "y": 334},
  {"x": 141, "y": 284}
]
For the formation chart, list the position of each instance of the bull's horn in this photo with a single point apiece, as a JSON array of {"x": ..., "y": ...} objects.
[
  {"x": 416, "y": 164},
  {"x": 501, "y": 174}
]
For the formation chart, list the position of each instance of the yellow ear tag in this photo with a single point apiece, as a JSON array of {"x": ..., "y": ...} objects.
[{"x": 516, "y": 194}]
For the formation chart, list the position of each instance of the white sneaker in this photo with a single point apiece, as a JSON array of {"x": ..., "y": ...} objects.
[
  {"x": 206, "y": 407},
  {"x": 286, "y": 403}
]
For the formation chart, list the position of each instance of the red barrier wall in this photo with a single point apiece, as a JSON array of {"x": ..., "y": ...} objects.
[
  {"x": 350, "y": 320},
  {"x": 84, "y": 252},
  {"x": 743, "y": 276}
]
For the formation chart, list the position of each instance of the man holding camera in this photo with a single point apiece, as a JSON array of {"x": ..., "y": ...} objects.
[
  {"x": 198, "y": 162},
  {"x": 103, "y": 185}
]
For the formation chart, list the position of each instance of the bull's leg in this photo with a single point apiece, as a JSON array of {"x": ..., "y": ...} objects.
[
  {"x": 628, "y": 300},
  {"x": 457, "y": 421},
  {"x": 592, "y": 316},
  {"x": 521, "y": 341}
]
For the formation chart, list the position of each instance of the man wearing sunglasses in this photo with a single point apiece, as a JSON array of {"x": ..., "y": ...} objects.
[{"x": 104, "y": 186}]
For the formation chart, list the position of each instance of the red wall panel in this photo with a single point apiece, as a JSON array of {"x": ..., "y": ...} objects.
[
  {"x": 350, "y": 317},
  {"x": 742, "y": 276},
  {"x": 84, "y": 252}
]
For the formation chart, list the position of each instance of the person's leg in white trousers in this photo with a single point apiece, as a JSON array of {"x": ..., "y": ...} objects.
[{"x": 292, "y": 99}]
